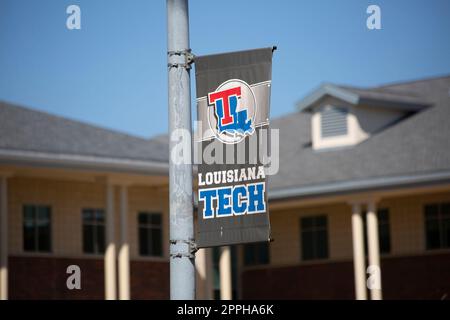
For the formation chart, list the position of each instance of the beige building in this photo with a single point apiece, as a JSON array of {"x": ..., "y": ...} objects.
[{"x": 362, "y": 197}]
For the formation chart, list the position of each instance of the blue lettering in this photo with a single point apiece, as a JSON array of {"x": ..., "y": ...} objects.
[
  {"x": 207, "y": 196},
  {"x": 223, "y": 202},
  {"x": 238, "y": 196},
  {"x": 237, "y": 200},
  {"x": 256, "y": 194}
]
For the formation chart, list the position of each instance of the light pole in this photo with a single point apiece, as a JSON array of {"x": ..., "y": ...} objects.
[{"x": 182, "y": 248}]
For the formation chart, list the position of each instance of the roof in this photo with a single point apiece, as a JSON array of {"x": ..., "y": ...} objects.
[
  {"x": 381, "y": 97},
  {"x": 417, "y": 145},
  {"x": 39, "y": 133},
  {"x": 416, "y": 149}
]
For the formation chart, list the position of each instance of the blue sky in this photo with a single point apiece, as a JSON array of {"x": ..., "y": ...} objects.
[{"x": 112, "y": 72}]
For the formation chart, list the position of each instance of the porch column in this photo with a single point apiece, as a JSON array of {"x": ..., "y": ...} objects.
[
  {"x": 124, "y": 251},
  {"x": 359, "y": 263},
  {"x": 110, "y": 253},
  {"x": 374, "y": 252},
  {"x": 3, "y": 238},
  {"x": 203, "y": 265},
  {"x": 225, "y": 273}
]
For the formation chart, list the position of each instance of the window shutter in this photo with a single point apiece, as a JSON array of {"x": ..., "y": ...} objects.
[{"x": 333, "y": 121}]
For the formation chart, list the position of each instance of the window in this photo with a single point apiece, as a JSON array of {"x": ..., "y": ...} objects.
[
  {"x": 256, "y": 253},
  {"x": 150, "y": 234},
  {"x": 333, "y": 121},
  {"x": 384, "y": 234},
  {"x": 314, "y": 237},
  {"x": 437, "y": 226},
  {"x": 93, "y": 231},
  {"x": 36, "y": 228}
]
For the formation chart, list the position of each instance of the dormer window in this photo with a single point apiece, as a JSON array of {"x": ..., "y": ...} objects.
[
  {"x": 333, "y": 125},
  {"x": 343, "y": 116},
  {"x": 333, "y": 121}
]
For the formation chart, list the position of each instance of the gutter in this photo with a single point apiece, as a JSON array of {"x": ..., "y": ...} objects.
[
  {"x": 61, "y": 160},
  {"x": 361, "y": 185},
  {"x": 44, "y": 159}
]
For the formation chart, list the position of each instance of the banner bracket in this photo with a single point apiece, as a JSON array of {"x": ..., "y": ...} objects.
[
  {"x": 189, "y": 58},
  {"x": 192, "y": 249}
]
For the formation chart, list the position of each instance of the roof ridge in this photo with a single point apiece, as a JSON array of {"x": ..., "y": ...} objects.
[
  {"x": 382, "y": 89},
  {"x": 389, "y": 85},
  {"x": 401, "y": 82}
]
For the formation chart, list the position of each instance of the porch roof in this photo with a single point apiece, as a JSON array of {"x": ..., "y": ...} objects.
[{"x": 417, "y": 146}]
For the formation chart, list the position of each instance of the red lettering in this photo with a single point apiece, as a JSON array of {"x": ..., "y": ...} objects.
[{"x": 224, "y": 95}]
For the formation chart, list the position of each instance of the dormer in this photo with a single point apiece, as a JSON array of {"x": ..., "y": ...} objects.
[{"x": 345, "y": 116}]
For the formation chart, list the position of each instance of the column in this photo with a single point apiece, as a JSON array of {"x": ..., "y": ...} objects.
[
  {"x": 203, "y": 265},
  {"x": 374, "y": 282},
  {"x": 110, "y": 253},
  {"x": 225, "y": 273},
  {"x": 124, "y": 251},
  {"x": 359, "y": 263},
  {"x": 3, "y": 238}
]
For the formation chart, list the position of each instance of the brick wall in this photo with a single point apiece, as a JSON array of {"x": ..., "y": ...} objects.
[
  {"x": 45, "y": 278},
  {"x": 149, "y": 280},
  {"x": 319, "y": 281},
  {"x": 419, "y": 277}
]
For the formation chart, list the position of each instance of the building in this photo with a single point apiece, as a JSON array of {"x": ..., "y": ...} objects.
[
  {"x": 74, "y": 191},
  {"x": 364, "y": 180}
]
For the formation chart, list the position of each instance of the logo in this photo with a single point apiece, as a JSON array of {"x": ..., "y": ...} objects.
[{"x": 232, "y": 111}]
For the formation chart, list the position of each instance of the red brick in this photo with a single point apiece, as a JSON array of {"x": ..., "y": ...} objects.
[
  {"x": 418, "y": 277},
  {"x": 45, "y": 278}
]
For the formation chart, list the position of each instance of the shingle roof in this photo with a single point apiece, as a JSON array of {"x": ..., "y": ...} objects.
[
  {"x": 376, "y": 97},
  {"x": 417, "y": 145},
  {"x": 385, "y": 97},
  {"x": 28, "y": 130}
]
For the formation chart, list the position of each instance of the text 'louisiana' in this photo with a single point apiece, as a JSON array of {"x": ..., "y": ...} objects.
[{"x": 230, "y": 176}]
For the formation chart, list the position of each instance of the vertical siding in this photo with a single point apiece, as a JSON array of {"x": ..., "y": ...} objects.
[
  {"x": 406, "y": 220},
  {"x": 67, "y": 199},
  {"x": 286, "y": 249},
  {"x": 146, "y": 199}
]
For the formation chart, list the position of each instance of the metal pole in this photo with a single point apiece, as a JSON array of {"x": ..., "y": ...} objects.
[{"x": 182, "y": 268}]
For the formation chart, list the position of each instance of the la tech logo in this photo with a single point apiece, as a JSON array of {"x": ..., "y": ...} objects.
[{"x": 232, "y": 111}]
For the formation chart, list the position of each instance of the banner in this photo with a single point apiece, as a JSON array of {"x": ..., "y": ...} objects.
[{"x": 232, "y": 137}]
